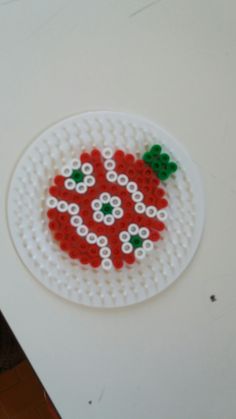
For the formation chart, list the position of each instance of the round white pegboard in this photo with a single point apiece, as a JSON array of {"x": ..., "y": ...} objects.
[{"x": 29, "y": 225}]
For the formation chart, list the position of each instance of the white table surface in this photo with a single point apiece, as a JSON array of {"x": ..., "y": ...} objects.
[{"x": 174, "y": 62}]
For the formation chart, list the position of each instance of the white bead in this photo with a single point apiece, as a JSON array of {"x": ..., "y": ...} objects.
[
  {"x": 73, "y": 209},
  {"x": 133, "y": 229},
  {"x": 115, "y": 201},
  {"x": 111, "y": 176},
  {"x": 140, "y": 207},
  {"x": 132, "y": 187},
  {"x": 127, "y": 247},
  {"x": 102, "y": 241},
  {"x": 91, "y": 238},
  {"x": 81, "y": 187},
  {"x": 109, "y": 219},
  {"x": 122, "y": 180},
  {"x": 107, "y": 264},
  {"x": 87, "y": 168},
  {"x": 162, "y": 215},
  {"x": 75, "y": 164},
  {"x": 124, "y": 236},
  {"x": 148, "y": 245},
  {"x": 105, "y": 252},
  {"x": 151, "y": 211},
  {"x": 62, "y": 206},
  {"x": 139, "y": 253},
  {"x": 66, "y": 171},
  {"x": 76, "y": 220},
  {"x": 105, "y": 197},
  {"x": 82, "y": 230},
  {"x": 89, "y": 180},
  {"x": 143, "y": 232},
  {"x": 109, "y": 164},
  {"x": 69, "y": 184},
  {"x": 98, "y": 216},
  {"x": 107, "y": 153},
  {"x": 137, "y": 196},
  {"x": 51, "y": 202},
  {"x": 96, "y": 204},
  {"x": 117, "y": 213}
]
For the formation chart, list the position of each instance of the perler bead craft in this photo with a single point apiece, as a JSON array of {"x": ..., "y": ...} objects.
[{"x": 106, "y": 208}]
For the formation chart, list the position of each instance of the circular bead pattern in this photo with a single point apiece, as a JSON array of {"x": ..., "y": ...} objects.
[
  {"x": 106, "y": 209},
  {"x": 61, "y": 271}
]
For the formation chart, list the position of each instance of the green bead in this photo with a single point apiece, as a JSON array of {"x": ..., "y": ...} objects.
[
  {"x": 77, "y": 176},
  {"x": 156, "y": 165},
  {"x": 172, "y": 167},
  {"x": 147, "y": 157},
  {"x": 107, "y": 209},
  {"x": 163, "y": 175},
  {"x": 156, "y": 149},
  {"x": 164, "y": 158},
  {"x": 136, "y": 241}
]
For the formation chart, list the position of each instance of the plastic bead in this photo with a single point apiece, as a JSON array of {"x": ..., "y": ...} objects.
[
  {"x": 98, "y": 216},
  {"x": 51, "y": 202},
  {"x": 82, "y": 230},
  {"x": 75, "y": 164},
  {"x": 76, "y": 220},
  {"x": 137, "y": 196},
  {"x": 133, "y": 229},
  {"x": 105, "y": 197},
  {"x": 87, "y": 168},
  {"x": 155, "y": 150},
  {"x": 140, "y": 253},
  {"x": 132, "y": 187},
  {"x": 106, "y": 264},
  {"x": 62, "y": 206},
  {"x": 108, "y": 219},
  {"x": 143, "y": 232},
  {"x": 118, "y": 213},
  {"x": 162, "y": 215},
  {"x": 111, "y": 176},
  {"x": 81, "y": 188},
  {"x": 89, "y": 180},
  {"x": 109, "y": 164},
  {"x": 105, "y": 252},
  {"x": 73, "y": 209},
  {"x": 124, "y": 236},
  {"x": 122, "y": 180},
  {"x": 127, "y": 247},
  {"x": 102, "y": 241},
  {"x": 115, "y": 201},
  {"x": 96, "y": 204},
  {"x": 151, "y": 211},
  {"x": 66, "y": 171},
  {"x": 148, "y": 245},
  {"x": 70, "y": 184},
  {"x": 91, "y": 238},
  {"x": 140, "y": 207},
  {"x": 147, "y": 157},
  {"x": 107, "y": 153},
  {"x": 136, "y": 241}
]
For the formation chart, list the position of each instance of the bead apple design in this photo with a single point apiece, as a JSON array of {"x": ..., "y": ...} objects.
[{"x": 107, "y": 208}]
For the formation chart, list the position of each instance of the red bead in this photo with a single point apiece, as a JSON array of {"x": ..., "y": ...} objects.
[
  {"x": 96, "y": 154},
  {"x": 118, "y": 155},
  {"x": 95, "y": 262},
  {"x": 53, "y": 190},
  {"x": 51, "y": 213},
  {"x": 154, "y": 236},
  {"x": 59, "y": 180},
  {"x": 129, "y": 258},
  {"x": 85, "y": 157}
]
